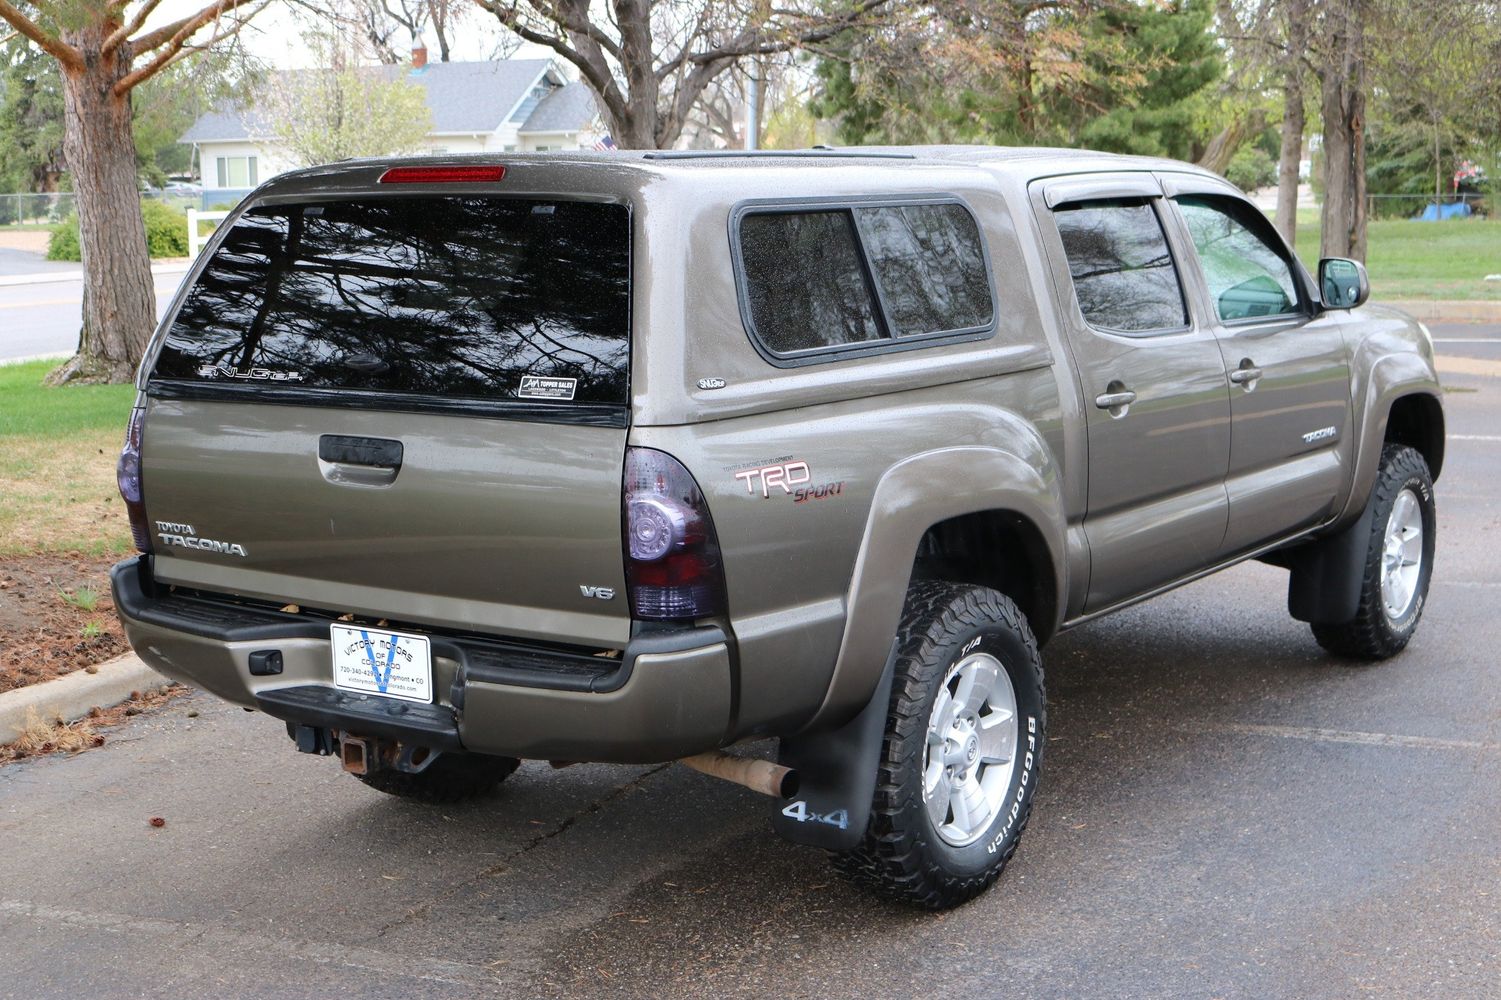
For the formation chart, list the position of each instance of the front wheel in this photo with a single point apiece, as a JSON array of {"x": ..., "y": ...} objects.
[
  {"x": 1398, "y": 563},
  {"x": 960, "y": 757}
]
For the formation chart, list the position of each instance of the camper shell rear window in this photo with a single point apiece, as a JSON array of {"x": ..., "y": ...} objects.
[{"x": 469, "y": 302}]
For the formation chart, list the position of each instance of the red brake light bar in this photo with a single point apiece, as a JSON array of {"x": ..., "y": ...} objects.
[{"x": 478, "y": 174}]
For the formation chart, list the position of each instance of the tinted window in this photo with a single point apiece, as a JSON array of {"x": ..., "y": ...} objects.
[
  {"x": 806, "y": 285},
  {"x": 930, "y": 265},
  {"x": 834, "y": 277},
  {"x": 1123, "y": 272},
  {"x": 1243, "y": 264},
  {"x": 463, "y": 297}
]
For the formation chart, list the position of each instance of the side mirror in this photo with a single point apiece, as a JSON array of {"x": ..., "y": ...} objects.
[{"x": 1343, "y": 283}]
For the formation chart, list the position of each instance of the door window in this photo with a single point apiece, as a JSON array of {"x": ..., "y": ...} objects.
[
  {"x": 1123, "y": 272},
  {"x": 1244, "y": 266}
]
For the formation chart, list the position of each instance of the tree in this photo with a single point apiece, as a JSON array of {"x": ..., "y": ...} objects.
[
  {"x": 31, "y": 115},
  {"x": 649, "y": 61},
  {"x": 1294, "y": 118},
  {"x": 1110, "y": 74},
  {"x": 387, "y": 25},
  {"x": 105, "y": 51},
  {"x": 342, "y": 109},
  {"x": 1339, "y": 48},
  {"x": 31, "y": 120},
  {"x": 1439, "y": 73}
]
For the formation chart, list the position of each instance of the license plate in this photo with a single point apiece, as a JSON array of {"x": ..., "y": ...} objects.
[{"x": 379, "y": 661}]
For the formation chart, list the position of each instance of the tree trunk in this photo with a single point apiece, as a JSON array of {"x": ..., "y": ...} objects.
[
  {"x": 119, "y": 303},
  {"x": 1438, "y": 179},
  {"x": 1290, "y": 156},
  {"x": 1343, "y": 233}
]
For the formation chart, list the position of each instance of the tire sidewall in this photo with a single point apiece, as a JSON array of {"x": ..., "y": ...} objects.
[
  {"x": 1416, "y": 480},
  {"x": 1020, "y": 663}
]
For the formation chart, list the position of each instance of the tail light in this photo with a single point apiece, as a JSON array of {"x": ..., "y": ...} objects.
[
  {"x": 672, "y": 566},
  {"x": 128, "y": 477}
]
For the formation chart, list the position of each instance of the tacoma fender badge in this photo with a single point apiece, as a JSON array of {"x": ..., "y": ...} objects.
[{"x": 1323, "y": 433}]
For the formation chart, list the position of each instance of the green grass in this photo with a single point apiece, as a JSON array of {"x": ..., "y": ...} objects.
[
  {"x": 57, "y": 464},
  {"x": 30, "y": 408},
  {"x": 1423, "y": 260}
]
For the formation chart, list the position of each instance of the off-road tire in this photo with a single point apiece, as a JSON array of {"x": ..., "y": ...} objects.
[
  {"x": 902, "y": 857},
  {"x": 1372, "y": 634},
  {"x": 453, "y": 777}
]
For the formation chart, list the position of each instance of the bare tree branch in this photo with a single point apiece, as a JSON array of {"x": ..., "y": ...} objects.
[
  {"x": 174, "y": 36},
  {"x": 130, "y": 27},
  {"x": 50, "y": 44}
]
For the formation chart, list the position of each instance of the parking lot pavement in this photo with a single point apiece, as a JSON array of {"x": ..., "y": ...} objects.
[{"x": 1224, "y": 813}]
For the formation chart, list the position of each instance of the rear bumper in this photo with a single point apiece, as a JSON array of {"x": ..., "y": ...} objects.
[{"x": 667, "y": 696}]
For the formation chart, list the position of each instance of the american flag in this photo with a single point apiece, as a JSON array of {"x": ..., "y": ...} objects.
[{"x": 605, "y": 144}]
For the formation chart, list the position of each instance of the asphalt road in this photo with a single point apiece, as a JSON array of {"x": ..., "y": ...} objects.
[
  {"x": 1224, "y": 812},
  {"x": 44, "y": 318}
]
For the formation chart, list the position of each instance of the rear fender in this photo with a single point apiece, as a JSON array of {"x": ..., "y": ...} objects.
[
  {"x": 837, "y": 755},
  {"x": 912, "y": 496}
]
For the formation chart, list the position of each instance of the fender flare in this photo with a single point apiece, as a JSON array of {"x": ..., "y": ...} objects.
[
  {"x": 1392, "y": 376},
  {"x": 911, "y": 497}
]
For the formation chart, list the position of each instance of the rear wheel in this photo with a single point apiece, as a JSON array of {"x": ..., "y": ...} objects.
[
  {"x": 960, "y": 757},
  {"x": 450, "y": 778},
  {"x": 1398, "y": 563}
]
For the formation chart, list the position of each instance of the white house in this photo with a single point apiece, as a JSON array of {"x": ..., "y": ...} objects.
[{"x": 512, "y": 105}]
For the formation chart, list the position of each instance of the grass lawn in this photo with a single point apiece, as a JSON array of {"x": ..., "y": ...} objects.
[
  {"x": 57, "y": 464},
  {"x": 1423, "y": 260}
]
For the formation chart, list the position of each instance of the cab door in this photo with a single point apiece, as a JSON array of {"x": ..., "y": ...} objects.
[
  {"x": 1288, "y": 367},
  {"x": 1152, "y": 380}
]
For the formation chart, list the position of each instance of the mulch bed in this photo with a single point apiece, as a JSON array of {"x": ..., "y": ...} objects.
[{"x": 47, "y": 628}]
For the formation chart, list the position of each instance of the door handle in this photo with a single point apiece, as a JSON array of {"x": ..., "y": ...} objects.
[
  {"x": 1116, "y": 398},
  {"x": 359, "y": 461},
  {"x": 1111, "y": 400},
  {"x": 379, "y": 452},
  {"x": 1246, "y": 374}
]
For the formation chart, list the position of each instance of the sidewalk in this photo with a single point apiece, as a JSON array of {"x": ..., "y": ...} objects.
[{"x": 53, "y": 271}]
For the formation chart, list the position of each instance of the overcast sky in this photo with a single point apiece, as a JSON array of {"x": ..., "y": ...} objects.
[{"x": 275, "y": 35}]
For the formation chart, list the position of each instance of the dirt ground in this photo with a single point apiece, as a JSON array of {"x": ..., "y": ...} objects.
[
  {"x": 55, "y": 617},
  {"x": 32, "y": 242}
]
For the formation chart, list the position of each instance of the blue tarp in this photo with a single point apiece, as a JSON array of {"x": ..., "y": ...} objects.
[{"x": 1458, "y": 210}]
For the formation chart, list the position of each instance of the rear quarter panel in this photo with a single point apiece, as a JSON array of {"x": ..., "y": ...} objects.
[{"x": 791, "y": 556}]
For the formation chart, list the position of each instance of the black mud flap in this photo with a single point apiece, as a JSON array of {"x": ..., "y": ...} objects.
[
  {"x": 1324, "y": 586},
  {"x": 836, "y": 771}
]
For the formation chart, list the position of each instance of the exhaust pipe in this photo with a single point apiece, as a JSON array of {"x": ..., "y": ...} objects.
[{"x": 758, "y": 775}]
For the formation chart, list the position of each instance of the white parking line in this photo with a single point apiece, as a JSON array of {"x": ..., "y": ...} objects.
[
  {"x": 222, "y": 941},
  {"x": 1474, "y": 437},
  {"x": 1350, "y": 736},
  {"x": 1467, "y": 340}
]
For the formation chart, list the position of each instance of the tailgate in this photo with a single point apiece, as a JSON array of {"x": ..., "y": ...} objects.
[{"x": 413, "y": 408}]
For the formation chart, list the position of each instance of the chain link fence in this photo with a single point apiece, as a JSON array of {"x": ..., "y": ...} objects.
[{"x": 35, "y": 209}]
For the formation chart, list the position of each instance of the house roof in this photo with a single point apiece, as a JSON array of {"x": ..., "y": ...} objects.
[
  {"x": 463, "y": 97},
  {"x": 567, "y": 109}
]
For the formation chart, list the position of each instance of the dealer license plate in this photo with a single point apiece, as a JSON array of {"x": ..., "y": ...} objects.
[{"x": 378, "y": 661}]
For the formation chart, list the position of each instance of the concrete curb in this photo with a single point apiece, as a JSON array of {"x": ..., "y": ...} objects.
[
  {"x": 72, "y": 696},
  {"x": 1448, "y": 310},
  {"x": 45, "y": 277}
]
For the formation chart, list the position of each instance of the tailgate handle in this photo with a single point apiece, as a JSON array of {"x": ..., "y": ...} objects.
[{"x": 345, "y": 450}]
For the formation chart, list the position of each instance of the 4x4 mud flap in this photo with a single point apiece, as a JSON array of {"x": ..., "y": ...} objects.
[{"x": 836, "y": 772}]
